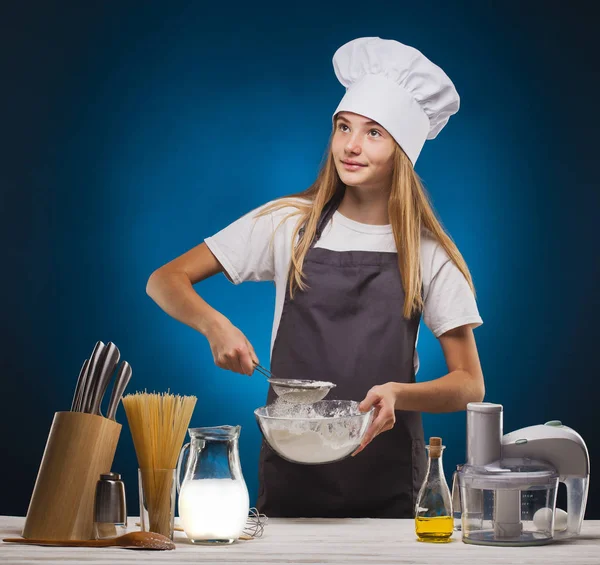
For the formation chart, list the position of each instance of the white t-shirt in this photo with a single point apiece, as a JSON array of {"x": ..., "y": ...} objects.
[{"x": 260, "y": 249}]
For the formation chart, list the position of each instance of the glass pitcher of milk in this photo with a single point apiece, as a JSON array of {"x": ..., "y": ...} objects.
[{"x": 213, "y": 496}]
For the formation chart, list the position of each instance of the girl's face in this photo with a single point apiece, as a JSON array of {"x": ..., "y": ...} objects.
[{"x": 363, "y": 152}]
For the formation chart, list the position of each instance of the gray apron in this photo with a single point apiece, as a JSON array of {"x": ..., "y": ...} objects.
[{"x": 347, "y": 328}]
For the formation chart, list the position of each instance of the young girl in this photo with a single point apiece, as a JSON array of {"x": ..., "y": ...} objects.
[{"x": 356, "y": 259}]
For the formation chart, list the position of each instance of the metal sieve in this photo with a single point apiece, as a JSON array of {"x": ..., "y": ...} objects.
[{"x": 294, "y": 390}]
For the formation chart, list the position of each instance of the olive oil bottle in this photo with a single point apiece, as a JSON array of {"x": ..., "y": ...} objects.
[{"x": 433, "y": 515}]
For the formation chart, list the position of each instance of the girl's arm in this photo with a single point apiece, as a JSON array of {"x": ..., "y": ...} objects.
[
  {"x": 452, "y": 392},
  {"x": 449, "y": 393},
  {"x": 171, "y": 288}
]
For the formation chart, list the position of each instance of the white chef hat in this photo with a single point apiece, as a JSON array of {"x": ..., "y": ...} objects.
[{"x": 396, "y": 86}]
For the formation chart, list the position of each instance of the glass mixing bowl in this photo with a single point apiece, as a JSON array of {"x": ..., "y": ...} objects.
[{"x": 312, "y": 434}]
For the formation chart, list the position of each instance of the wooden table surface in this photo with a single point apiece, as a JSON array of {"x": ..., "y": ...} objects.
[{"x": 343, "y": 541}]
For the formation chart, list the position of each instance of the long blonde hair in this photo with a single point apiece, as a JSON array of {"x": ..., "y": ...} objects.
[{"x": 409, "y": 211}]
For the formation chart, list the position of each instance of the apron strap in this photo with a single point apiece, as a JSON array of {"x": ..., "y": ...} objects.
[{"x": 326, "y": 214}]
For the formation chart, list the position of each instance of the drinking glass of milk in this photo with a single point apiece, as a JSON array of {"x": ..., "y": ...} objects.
[{"x": 213, "y": 496}]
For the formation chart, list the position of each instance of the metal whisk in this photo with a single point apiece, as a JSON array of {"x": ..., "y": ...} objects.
[{"x": 255, "y": 526}]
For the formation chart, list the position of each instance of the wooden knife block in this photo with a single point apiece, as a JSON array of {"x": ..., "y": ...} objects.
[{"x": 79, "y": 449}]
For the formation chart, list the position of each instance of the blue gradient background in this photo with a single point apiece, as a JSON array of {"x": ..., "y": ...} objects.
[{"x": 133, "y": 130}]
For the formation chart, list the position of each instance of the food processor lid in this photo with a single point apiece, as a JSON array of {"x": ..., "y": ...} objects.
[
  {"x": 484, "y": 407},
  {"x": 518, "y": 473}
]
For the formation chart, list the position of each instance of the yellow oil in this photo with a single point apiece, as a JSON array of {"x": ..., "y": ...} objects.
[{"x": 435, "y": 530}]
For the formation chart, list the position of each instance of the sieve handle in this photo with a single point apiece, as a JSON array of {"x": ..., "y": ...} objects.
[
  {"x": 185, "y": 448},
  {"x": 263, "y": 371}
]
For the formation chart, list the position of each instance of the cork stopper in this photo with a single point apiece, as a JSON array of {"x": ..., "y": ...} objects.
[{"x": 435, "y": 447}]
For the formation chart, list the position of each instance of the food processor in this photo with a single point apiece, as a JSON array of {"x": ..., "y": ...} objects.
[{"x": 509, "y": 483}]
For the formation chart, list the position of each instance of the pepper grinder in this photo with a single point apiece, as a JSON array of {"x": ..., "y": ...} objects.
[{"x": 110, "y": 509}]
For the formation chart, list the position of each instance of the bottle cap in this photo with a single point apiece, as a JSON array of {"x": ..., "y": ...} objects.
[
  {"x": 110, "y": 477},
  {"x": 435, "y": 446}
]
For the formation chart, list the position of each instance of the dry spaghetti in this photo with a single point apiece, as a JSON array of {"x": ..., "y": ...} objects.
[{"x": 158, "y": 423}]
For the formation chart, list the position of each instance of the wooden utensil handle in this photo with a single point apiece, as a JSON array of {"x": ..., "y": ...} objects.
[{"x": 63, "y": 543}]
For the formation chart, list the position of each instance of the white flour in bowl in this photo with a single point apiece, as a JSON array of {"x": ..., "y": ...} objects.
[
  {"x": 316, "y": 433},
  {"x": 309, "y": 446},
  {"x": 307, "y": 413}
]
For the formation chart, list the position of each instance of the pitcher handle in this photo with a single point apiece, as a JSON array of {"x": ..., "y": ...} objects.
[{"x": 179, "y": 461}]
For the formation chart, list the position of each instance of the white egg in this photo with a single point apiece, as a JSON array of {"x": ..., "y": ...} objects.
[
  {"x": 543, "y": 518},
  {"x": 560, "y": 520}
]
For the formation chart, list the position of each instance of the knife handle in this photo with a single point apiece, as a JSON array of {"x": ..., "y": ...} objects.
[
  {"x": 79, "y": 387},
  {"x": 90, "y": 381},
  {"x": 108, "y": 362},
  {"x": 121, "y": 382}
]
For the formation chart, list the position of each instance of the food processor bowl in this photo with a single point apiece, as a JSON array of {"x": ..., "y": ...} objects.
[{"x": 509, "y": 502}]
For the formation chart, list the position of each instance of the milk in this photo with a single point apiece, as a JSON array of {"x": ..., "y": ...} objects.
[{"x": 213, "y": 509}]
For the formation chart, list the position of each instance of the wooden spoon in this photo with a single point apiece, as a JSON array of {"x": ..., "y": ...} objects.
[{"x": 131, "y": 540}]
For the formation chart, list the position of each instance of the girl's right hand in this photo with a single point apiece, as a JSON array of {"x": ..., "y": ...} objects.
[{"x": 230, "y": 348}]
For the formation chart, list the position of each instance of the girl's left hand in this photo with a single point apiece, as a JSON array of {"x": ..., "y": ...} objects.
[{"x": 383, "y": 398}]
